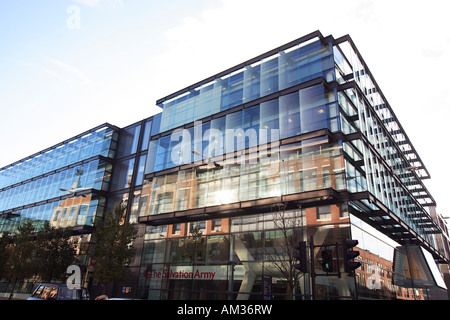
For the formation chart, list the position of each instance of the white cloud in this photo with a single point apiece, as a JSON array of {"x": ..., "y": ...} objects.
[
  {"x": 53, "y": 74},
  {"x": 22, "y": 63},
  {"x": 65, "y": 66},
  {"x": 65, "y": 72}
]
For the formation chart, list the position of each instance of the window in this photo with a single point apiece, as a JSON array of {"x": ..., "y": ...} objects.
[
  {"x": 49, "y": 293},
  {"x": 128, "y": 141},
  {"x": 216, "y": 225},
  {"x": 324, "y": 213},
  {"x": 343, "y": 211},
  {"x": 197, "y": 228},
  {"x": 123, "y": 172},
  {"x": 37, "y": 292},
  {"x": 164, "y": 202},
  {"x": 72, "y": 213},
  {"x": 81, "y": 219},
  {"x": 55, "y": 217},
  {"x": 146, "y": 138},
  {"x": 141, "y": 167},
  {"x": 176, "y": 228}
]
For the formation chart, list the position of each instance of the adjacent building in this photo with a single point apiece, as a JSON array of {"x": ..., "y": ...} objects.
[{"x": 297, "y": 144}]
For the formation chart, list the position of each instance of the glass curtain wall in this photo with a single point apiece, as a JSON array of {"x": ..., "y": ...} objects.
[
  {"x": 380, "y": 168},
  {"x": 280, "y": 71},
  {"x": 91, "y": 175},
  {"x": 46, "y": 187},
  {"x": 380, "y": 162},
  {"x": 390, "y": 270},
  {"x": 228, "y": 258},
  {"x": 305, "y": 166},
  {"x": 300, "y": 112},
  {"x": 129, "y": 165},
  {"x": 100, "y": 142},
  {"x": 71, "y": 212}
]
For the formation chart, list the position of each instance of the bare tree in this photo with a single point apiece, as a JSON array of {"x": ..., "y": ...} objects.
[{"x": 280, "y": 253}]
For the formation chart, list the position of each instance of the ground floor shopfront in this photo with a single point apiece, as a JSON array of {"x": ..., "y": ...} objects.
[{"x": 247, "y": 258}]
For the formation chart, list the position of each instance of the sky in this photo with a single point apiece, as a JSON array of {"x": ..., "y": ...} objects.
[{"x": 67, "y": 66}]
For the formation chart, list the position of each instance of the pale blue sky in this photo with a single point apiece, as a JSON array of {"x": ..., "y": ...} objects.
[{"x": 56, "y": 81}]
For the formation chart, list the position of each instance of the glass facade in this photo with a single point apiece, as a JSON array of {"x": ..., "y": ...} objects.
[
  {"x": 290, "y": 115},
  {"x": 91, "y": 175},
  {"x": 294, "y": 168},
  {"x": 99, "y": 142},
  {"x": 381, "y": 161},
  {"x": 37, "y": 188},
  {"x": 298, "y": 144},
  {"x": 262, "y": 77},
  {"x": 75, "y": 211},
  {"x": 227, "y": 258}
]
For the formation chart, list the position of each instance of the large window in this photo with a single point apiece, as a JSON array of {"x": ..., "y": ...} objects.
[
  {"x": 266, "y": 76},
  {"x": 306, "y": 110},
  {"x": 123, "y": 173},
  {"x": 100, "y": 142},
  {"x": 312, "y": 164},
  {"x": 91, "y": 175},
  {"x": 71, "y": 212},
  {"x": 231, "y": 263},
  {"x": 128, "y": 141}
]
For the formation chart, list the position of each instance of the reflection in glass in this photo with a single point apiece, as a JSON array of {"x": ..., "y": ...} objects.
[
  {"x": 100, "y": 142},
  {"x": 71, "y": 212},
  {"x": 300, "y": 112},
  {"x": 128, "y": 141},
  {"x": 309, "y": 165},
  {"x": 91, "y": 175},
  {"x": 123, "y": 173},
  {"x": 279, "y": 71}
]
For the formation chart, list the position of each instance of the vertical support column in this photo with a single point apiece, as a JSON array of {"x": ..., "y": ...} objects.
[{"x": 313, "y": 273}]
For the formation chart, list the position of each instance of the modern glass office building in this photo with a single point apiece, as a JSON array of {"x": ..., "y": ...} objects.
[{"x": 297, "y": 144}]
